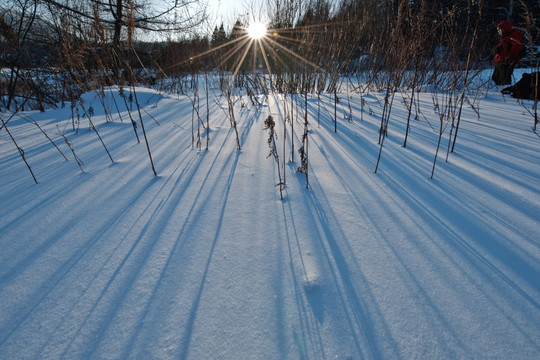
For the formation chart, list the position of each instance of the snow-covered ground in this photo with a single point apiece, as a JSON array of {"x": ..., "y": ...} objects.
[{"x": 204, "y": 261}]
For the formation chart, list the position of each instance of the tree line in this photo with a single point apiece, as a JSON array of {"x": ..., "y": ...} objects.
[{"x": 88, "y": 40}]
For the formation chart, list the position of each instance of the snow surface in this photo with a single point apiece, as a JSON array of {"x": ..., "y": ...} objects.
[{"x": 204, "y": 261}]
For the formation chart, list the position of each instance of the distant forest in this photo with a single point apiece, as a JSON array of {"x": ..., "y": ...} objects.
[{"x": 346, "y": 36}]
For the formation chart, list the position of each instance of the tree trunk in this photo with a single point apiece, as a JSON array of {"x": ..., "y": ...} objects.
[{"x": 118, "y": 23}]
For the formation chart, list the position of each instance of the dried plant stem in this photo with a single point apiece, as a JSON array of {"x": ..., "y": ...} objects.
[
  {"x": 50, "y": 140},
  {"x": 438, "y": 145},
  {"x": 144, "y": 132},
  {"x": 77, "y": 159},
  {"x": 303, "y": 151},
  {"x": 536, "y": 95},
  {"x": 199, "y": 121},
  {"x": 442, "y": 116},
  {"x": 291, "y": 119},
  {"x": 21, "y": 151},
  {"x": 335, "y": 109},
  {"x": 467, "y": 70},
  {"x": 133, "y": 122},
  {"x": 409, "y": 118},
  {"x": 269, "y": 124},
  {"x": 193, "y": 120},
  {"x": 318, "y": 108},
  {"x": 384, "y": 122},
  {"x": 116, "y": 105},
  {"x": 284, "y": 136},
  {"x": 207, "y": 114},
  {"x": 93, "y": 127},
  {"x": 101, "y": 98},
  {"x": 232, "y": 118}
]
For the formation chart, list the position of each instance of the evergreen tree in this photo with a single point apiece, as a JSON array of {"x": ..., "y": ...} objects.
[{"x": 219, "y": 37}]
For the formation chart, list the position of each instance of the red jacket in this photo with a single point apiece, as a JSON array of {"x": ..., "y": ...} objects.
[{"x": 510, "y": 43}]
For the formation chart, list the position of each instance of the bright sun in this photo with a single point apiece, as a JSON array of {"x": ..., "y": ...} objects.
[{"x": 256, "y": 30}]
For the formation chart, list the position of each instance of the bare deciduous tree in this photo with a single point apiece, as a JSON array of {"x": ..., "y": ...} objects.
[{"x": 162, "y": 16}]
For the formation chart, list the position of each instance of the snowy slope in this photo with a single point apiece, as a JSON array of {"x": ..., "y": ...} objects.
[{"x": 204, "y": 261}]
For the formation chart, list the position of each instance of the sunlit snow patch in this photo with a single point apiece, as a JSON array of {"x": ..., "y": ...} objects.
[{"x": 312, "y": 276}]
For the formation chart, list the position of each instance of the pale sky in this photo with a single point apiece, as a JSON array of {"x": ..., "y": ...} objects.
[{"x": 229, "y": 11}]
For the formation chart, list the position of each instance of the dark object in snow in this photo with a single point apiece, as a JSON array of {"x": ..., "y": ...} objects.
[
  {"x": 269, "y": 123},
  {"x": 526, "y": 88}
]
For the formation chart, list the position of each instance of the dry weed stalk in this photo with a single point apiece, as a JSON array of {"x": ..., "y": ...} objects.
[
  {"x": 19, "y": 149},
  {"x": 467, "y": 71},
  {"x": 77, "y": 159},
  {"x": 232, "y": 118},
  {"x": 304, "y": 149},
  {"x": 89, "y": 115},
  {"x": 530, "y": 31},
  {"x": 269, "y": 124}
]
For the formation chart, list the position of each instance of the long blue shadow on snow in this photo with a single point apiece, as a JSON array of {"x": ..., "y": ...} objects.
[
  {"x": 41, "y": 293},
  {"x": 139, "y": 253},
  {"x": 202, "y": 197},
  {"x": 481, "y": 243},
  {"x": 314, "y": 296},
  {"x": 138, "y": 246},
  {"x": 368, "y": 343},
  {"x": 188, "y": 332},
  {"x": 445, "y": 206},
  {"x": 467, "y": 229},
  {"x": 435, "y": 314}
]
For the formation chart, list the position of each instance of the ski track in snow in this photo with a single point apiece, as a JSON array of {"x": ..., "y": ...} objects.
[{"x": 205, "y": 260}]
